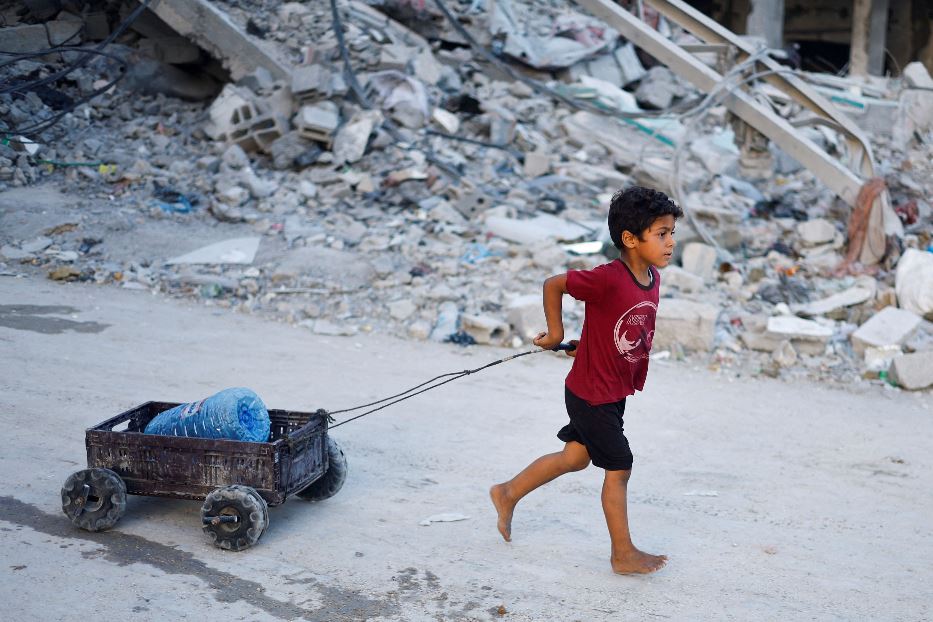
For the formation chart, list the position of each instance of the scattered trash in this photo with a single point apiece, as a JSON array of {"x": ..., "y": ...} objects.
[{"x": 448, "y": 517}]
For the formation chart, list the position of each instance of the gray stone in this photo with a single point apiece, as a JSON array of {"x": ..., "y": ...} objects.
[
  {"x": 852, "y": 296},
  {"x": 914, "y": 281},
  {"x": 550, "y": 257},
  {"x": 889, "y": 327},
  {"x": 537, "y": 163},
  {"x": 658, "y": 88},
  {"x": 691, "y": 324},
  {"x": 674, "y": 276},
  {"x": 485, "y": 329},
  {"x": 913, "y": 371},
  {"x": 816, "y": 231},
  {"x": 34, "y": 246},
  {"x": 235, "y": 157},
  {"x": 526, "y": 315},
  {"x": 700, "y": 259},
  {"x": 351, "y": 140},
  {"x": 326, "y": 327},
  {"x": 915, "y": 74},
  {"x": 11, "y": 252},
  {"x": 402, "y": 309},
  {"x": 784, "y": 355}
]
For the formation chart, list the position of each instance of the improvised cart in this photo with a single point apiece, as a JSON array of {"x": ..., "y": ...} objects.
[{"x": 236, "y": 480}]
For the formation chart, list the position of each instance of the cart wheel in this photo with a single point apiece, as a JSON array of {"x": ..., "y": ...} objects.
[
  {"x": 234, "y": 517},
  {"x": 332, "y": 480},
  {"x": 94, "y": 499}
]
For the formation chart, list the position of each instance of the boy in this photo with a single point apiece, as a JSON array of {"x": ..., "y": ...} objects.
[{"x": 610, "y": 363}]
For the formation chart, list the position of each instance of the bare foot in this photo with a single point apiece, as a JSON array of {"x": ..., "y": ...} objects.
[
  {"x": 504, "y": 507},
  {"x": 637, "y": 562}
]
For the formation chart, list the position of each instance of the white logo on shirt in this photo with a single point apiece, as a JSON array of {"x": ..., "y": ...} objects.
[{"x": 636, "y": 350}]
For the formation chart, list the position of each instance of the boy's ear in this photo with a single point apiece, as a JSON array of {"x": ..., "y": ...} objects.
[{"x": 628, "y": 239}]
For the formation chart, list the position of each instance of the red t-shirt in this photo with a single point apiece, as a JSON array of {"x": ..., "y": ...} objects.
[{"x": 618, "y": 328}]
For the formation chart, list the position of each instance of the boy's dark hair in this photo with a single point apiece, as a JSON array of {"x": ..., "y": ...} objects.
[{"x": 635, "y": 208}]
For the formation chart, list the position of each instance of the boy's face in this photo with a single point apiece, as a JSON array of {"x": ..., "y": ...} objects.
[{"x": 656, "y": 244}]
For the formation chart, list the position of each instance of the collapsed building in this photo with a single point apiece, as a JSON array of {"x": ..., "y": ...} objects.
[{"x": 419, "y": 166}]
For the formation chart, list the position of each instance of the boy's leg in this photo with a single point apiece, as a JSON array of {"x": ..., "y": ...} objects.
[
  {"x": 504, "y": 496},
  {"x": 625, "y": 559}
]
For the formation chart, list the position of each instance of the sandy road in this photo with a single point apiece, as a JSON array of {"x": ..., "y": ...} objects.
[{"x": 773, "y": 501}]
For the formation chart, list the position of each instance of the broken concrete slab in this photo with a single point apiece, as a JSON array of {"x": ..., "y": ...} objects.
[
  {"x": 826, "y": 306},
  {"x": 448, "y": 121},
  {"x": 232, "y": 251},
  {"x": 795, "y": 329},
  {"x": 913, "y": 371},
  {"x": 534, "y": 230},
  {"x": 684, "y": 322},
  {"x": 352, "y": 137},
  {"x": 526, "y": 315},
  {"x": 889, "y": 327},
  {"x": 210, "y": 28},
  {"x": 683, "y": 280},
  {"x": 699, "y": 259},
  {"x": 537, "y": 163},
  {"x": 914, "y": 282},
  {"x": 816, "y": 231}
]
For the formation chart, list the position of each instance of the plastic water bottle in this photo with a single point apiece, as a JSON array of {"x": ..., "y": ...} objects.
[{"x": 236, "y": 414}]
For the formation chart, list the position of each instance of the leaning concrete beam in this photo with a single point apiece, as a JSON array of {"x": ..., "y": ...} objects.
[{"x": 210, "y": 28}]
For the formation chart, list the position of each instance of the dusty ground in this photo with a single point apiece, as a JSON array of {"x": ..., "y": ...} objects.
[{"x": 821, "y": 511}]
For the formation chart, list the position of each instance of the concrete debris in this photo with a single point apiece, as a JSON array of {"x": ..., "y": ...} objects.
[
  {"x": 914, "y": 282},
  {"x": 690, "y": 324},
  {"x": 437, "y": 213},
  {"x": 913, "y": 371},
  {"x": 699, "y": 259},
  {"x": 890, "y": 326}
]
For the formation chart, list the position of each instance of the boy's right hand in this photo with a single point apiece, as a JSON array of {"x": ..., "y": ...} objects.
[
  {"x": 576, "y": 345},
  {"x": 547, "y": 340}
]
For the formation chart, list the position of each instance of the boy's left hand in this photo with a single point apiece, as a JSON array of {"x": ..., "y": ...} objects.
[{"x": 547, "y": 340}]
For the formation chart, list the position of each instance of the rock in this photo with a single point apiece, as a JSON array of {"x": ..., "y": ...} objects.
[
  {"x": 690, "y": 324},
  {"x": 65, "y": 273},
  {"x": 913, "y": 371},
  {"x": 352, "y": 137},
  {"x": 234, "y": 195},
  {"x": 785, "y": 355},
  {"x": 913, "y": 282},
  {"x": 448, "y": 121},
  {"x": 259, "y": 188},
  {"x": 34, "y": 246},
  {"x": 419, "y": 329},
  {"x": 658, "y": 88},
  {"x": 915, "y": 74},
  {"x": 484, "y": 329},
  {"x": 326, "y": 327},
  {"x": 550, "y": 257},
  {"x": 235, "y": 157},
  {"x": 816, "y": 231},
  {"x": 699, "y": 259},
  {"x": 13, "y": 253},
  {"x": 307, "y": 189},
  {"x": 343, "y": 269},
  {"x": 879, "y": 359},
  {"x": 717, "y": 153},
  {"x": 426, "y": 67},
  {"x": 683, "y": 280},
  {"x": 402, "y": 309},
  {"x": 889, "y": 327},
  {"x": 537, "y": 163},
  {"x": 448, "y": 319},
  {"x": 526, "y": 315}
]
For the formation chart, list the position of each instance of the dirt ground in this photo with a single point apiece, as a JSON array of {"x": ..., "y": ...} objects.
[{"x": 773, "y": 501}]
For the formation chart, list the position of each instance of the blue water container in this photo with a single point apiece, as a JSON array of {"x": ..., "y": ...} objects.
[{"x": 236, "y": 414}]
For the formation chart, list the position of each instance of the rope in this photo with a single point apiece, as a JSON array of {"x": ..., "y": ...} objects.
[{"x": 413, "y": 391}]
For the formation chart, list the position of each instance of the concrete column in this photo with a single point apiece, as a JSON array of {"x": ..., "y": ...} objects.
[
  {"x": 766, "y": 20},
  {"x": 869, "y": 36}
]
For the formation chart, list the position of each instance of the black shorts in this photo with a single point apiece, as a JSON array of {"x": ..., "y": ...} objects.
[{"x": 599, "y": 429}]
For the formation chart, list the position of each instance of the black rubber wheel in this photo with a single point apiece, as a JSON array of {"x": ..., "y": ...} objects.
[
  {"x": 94, "y": 499},
  {"x": 244, "y": 503},
  {"x": 332, "y": 481}
]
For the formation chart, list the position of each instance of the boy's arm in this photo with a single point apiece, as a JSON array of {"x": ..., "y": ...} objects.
[{"x": 554, "y": 289}]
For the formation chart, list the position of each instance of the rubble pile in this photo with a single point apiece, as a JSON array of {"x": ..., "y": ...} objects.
[{"x": 428, "y": 191}]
